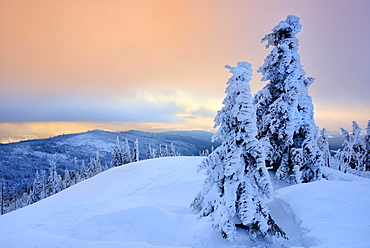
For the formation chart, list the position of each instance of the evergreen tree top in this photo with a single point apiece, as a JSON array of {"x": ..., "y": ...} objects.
[
  {"x": 240, "y": 68},
  {"x": 285, "y": 29},
  {"x": 237, "y": 105}
]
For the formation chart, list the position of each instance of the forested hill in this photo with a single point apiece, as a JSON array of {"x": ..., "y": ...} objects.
[{"x": 19, "y": 161}]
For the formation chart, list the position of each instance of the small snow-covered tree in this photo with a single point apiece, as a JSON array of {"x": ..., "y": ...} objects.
[
  {"x": 54, "y": 183},
  {"x": 135, "y": 156},
  {"x": 237, "y": 180},
  {"x": 352, "y": 155},
  {"x": 158, "y": 152},
  {"x": 126, "y": 153},
  {"x": 24, "y": 200},
  {"x": 285, "y": 121},
  {"x": 323, "y": 144},
  {"x": 84, "y": 171},
  {"x": 67, "y": 181},
  {"x": 117, "y": 159},
  {"x": 172, "y": 150},
  {"x": 76, "y": 177},
  {"x": 149, "y": 152},
  {"x": 359, "y": 150},
  {"x": 95, "y": 165},
  {"x": 166, "y": 152},
  {"x": 75, "y": 164},
  {"x": 204, "y": 153},
  {"x": 2, "y": 195},
  {"x": 367, "y": 147},
  {"x": 38, "y": 189},
  {"x": 345, "y": 153},
  {"x": 43, "y": 178}
]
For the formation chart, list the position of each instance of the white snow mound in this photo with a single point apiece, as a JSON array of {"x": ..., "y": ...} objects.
[{"x": 146, "y": 205}]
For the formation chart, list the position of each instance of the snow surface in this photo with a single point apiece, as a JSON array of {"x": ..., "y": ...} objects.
[{"x": 146, "y": 205}]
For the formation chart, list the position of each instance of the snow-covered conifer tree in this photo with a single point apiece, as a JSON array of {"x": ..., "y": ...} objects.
[
  {"x": 323, "y": 144},
  {"x": 84, "y": 171},
  {"x": 126, "y": 153},
  {"x": 54, "y": 183},
  {"x": 352, "y": 155},
  {"x": 43, "y": 178},
  {"x": 24, "y": 200},
  {"x": 367, "y": 147},
  {"x": 59, "y": 183},
  {"x": 345, "y": 153},
  {"x": 67, "y": 181},
  {"x": 158, "y": 152},
  {"x": 117, "y": 154},
  {"x": 76, "y": 177},
  {"x": 166, "y": 152},
  {"x": 135, "y": 156},
  {"x": 149, "y": 152},
  {"x": 237, "y": 184},
  {"x": 285, "y": 121},
  {"x": 359, "y": 150},
  {"x": 75, "y": 164},
  {"x": 172, "y": 150},
  {"x": 2, "y": 195},
  {"x": 38, "y": 189},
  {"x": 95, "y": 165}
]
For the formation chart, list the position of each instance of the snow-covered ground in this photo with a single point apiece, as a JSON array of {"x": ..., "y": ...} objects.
[{"x": 146, "y": 205}]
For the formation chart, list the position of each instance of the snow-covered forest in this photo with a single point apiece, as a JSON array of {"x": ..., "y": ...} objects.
[{"x": 272, "y": 181}]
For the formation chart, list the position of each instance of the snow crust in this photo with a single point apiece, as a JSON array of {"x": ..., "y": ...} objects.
[{"x": 146, "y": 205}]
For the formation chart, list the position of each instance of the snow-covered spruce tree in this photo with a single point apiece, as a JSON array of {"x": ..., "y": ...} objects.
[
  {"x": 166, "y": 152},
  {"x": 54, "y": 183},
  {"x": 95, "y": 165},
  {"x": 24, "y": 200},
  {"x": 74, "y": 173},
  {"x": 367, "y": 147},
  {"x": 284, "y": 110},
  {"x": 237, "y": 184},
  {"x": 84, "y": 171},
  {"x": 158, "y": 152},
  {"x": 135, "y": 156},
  {"x": 323, "y": 144},
  {"x": 149, "y": 152},
  {"x": 352, "y": 155},
  {"x": 2, "y": 196},
  {"x": 172, "y": 151},
  {"x": 75, "y": 164},
  {"x": 117, "y": 154},
  {"x": 38, "y": 189},
  {"x": 67, "y": 181},
  {"x": 359, "y": 150},
  {"x": 126, "y": 153}
]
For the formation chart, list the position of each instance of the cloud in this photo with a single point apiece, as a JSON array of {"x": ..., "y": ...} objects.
[
  {"x": 204, "y": 112},
  {"x": 86, "y": 108}
]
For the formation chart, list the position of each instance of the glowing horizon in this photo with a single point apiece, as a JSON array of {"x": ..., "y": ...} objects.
[{"x": 73, "y": 66}]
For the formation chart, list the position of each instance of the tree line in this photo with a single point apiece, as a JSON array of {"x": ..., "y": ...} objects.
[{"x": 354, "y": 156}]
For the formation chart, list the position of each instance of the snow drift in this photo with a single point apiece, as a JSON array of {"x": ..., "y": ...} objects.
[{"x": 146, "y": 204}]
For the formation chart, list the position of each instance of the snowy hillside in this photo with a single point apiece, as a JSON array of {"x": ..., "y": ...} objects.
[
  {"x": 19, "y": 161},
  {"x": 146, "y": 204}
]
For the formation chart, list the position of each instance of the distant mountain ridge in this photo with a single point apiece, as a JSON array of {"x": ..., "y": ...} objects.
[{"x": 19, "y": 161}]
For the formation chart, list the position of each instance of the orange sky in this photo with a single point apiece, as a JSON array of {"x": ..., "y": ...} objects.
[{"x": 76, "y": 65}]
